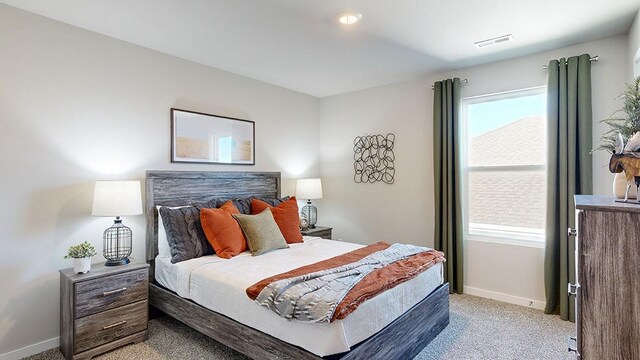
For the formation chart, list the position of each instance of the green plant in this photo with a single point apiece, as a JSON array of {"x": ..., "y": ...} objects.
[
  {"x": 79, "y": 251},
  {"x": 625, "y": 121}
]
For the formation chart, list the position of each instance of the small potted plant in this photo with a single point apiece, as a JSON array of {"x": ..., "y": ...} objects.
[{"x": 81, "y": 255}]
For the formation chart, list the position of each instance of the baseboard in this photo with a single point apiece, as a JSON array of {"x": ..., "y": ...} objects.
[
  {"x": 536, "y": 304},
  {"x": 31, "y": 349}
]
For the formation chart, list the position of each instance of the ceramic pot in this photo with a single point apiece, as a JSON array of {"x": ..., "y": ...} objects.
[
  {"x": 620, "y": 185},
  {"x": 82, "y": 265}
]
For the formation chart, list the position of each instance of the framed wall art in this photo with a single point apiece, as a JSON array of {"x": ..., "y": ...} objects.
[
  {"x": 374, "y": 158},
  {"x": 211, "y": 139}
]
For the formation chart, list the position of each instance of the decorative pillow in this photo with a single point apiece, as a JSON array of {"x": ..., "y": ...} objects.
[
  {"x": 163, "y": 243},
  {"x": 184, "y": 231},
  {"x": 261, "y": 231},
  {"x": 223, "y": 231},
  {"x": 272, "y": 202},
  {"x": 285, "y": 215},
  {"x": 244, "y": 204}
]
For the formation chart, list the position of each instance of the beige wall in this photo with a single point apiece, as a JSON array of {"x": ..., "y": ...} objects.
[
  {"x": 76, "y": 106},
  {"x": 404, "y": 211},
  {"x": 634, "y": 46}
]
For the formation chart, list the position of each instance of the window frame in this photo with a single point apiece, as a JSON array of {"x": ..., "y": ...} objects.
[{"x": 499, "y": 234}]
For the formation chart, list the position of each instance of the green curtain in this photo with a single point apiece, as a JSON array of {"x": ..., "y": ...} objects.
[
  {"x": 568, "y": 173},
  {"x": 446, "y": 163}
]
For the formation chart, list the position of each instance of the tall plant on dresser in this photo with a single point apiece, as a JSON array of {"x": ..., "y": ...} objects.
[{"x": 625, "y": 122}]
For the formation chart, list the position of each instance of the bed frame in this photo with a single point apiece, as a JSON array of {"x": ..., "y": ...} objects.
[{"x": 404, "y": 338}]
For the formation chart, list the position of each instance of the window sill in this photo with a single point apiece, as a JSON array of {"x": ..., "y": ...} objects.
[{"x": 533, "y": 242}]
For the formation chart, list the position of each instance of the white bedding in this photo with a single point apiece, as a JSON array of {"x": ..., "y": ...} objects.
[{"x": 219, "y": 285}]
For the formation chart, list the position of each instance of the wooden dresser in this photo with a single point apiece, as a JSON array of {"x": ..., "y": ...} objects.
[
  {"x": 103, "y": 309},
  {"x": 608, "y": 271}
]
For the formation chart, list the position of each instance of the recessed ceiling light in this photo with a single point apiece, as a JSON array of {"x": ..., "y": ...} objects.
[{"x": 348, "y": 17}]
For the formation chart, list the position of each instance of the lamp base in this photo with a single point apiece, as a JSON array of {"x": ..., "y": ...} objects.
[
  {"x": 124, "y": 261},
  {"x": 117, "y": 244},
  {"x": 311, "y": 213}
]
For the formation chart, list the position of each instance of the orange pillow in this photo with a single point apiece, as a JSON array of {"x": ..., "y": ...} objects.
[
  {"x": 286, "y": 216},
  {"x": 223, "y": 231}
]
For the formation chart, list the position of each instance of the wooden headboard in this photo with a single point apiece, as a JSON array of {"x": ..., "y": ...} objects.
[{"x": 177, "y": 188}]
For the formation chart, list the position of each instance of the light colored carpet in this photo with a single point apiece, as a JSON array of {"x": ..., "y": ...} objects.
[{"x": 479, "y": 329}]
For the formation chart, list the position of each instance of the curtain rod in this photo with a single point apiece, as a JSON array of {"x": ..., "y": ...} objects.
[
  {"x": 462, "y": 81},
  {"x": 593, "y": 59}
]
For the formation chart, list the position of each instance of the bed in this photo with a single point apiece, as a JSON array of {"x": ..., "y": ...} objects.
[{"x": 413, "y": 325}]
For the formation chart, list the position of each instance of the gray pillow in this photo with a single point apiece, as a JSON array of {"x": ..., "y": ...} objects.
[
  {"x": 244, "y": 204},
  {"x": 184, "y": 232},
  {"x": 261, "y": 231},
  {"x": 271, "y": 202}
]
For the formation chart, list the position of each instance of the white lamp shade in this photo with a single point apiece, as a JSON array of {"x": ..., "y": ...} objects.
[
  {"x": 309, "y": 189},
  {"x": 117, "y": 198}
]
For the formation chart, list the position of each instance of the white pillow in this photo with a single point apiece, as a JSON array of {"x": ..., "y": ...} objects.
[{"x": 163, "y": 243}]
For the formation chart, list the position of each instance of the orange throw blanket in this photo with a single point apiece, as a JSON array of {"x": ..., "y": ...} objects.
[{"x": 371, "y": 285}]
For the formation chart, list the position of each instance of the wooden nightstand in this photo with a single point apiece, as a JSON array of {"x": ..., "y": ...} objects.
[
  {"x": 103, "y": 309},
  {"x": 319, "y": 231}
]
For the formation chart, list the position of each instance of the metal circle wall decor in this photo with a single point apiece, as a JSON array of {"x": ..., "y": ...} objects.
[{"x": 373, "y": 158}]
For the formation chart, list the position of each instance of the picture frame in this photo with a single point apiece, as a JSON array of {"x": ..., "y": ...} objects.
[{"x": 211, "y": 139}]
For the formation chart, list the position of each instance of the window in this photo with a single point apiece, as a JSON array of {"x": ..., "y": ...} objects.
[{"x": 504, "y": 167}]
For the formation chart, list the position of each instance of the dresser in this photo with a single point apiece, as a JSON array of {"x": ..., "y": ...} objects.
[
  {"x": 103, "y": 309},
  {"x": 607, "y": 293}
]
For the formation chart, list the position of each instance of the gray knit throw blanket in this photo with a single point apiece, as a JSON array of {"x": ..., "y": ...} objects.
[{"x": 314, "y": 297}]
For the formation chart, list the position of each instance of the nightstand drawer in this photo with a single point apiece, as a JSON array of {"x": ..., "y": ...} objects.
[
  {"x": 325, "y": 234},
  {"x": 102, "y": 328},
  {"x": 318, "y": 231},
  {"x": 94, "y": 296}
]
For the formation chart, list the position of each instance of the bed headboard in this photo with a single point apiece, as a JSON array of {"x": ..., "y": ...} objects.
[{"x": 177, "y": 188}]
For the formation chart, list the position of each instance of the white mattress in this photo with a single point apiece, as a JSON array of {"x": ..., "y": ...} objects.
[{"x": 219, "y": 285}]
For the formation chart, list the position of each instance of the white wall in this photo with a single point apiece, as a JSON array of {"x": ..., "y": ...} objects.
[
  {"x": 76, "y": 106},
  {"x": 634, "y": 46},
  {"x": 404, "y": 211}
]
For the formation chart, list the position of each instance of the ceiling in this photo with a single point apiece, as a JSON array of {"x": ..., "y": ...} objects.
[{"x": 298, "y": 44}]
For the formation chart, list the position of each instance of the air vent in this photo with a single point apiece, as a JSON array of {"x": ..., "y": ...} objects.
[{"x": 495, "y": 41}]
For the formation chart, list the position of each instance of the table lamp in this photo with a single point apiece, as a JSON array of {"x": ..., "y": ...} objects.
[
  {"x": 117, "y": 198},
  {"x": 309, "y": 189}
]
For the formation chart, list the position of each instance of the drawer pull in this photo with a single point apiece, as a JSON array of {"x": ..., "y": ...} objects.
[
  {"x": 107, "y": 293},
  {"x": 114, "y": 325},
  {"x": 571, "y": 339},
  {"x": 572, "y": 289}
]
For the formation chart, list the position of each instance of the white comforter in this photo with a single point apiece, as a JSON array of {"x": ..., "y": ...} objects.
[{"x": 220, "y": 284}]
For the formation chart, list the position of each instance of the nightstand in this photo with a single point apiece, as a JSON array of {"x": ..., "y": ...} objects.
[
  {"x": 319, "y": 231},
  {"x": 103, "y": 309}
]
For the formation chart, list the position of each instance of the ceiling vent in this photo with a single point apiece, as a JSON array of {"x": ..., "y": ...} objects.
[{"x": 495, "y": 41}]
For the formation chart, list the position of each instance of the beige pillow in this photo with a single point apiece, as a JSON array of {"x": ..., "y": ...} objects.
[{"x": 261, "y": 231}]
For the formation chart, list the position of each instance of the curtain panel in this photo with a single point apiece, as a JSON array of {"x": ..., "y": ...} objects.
[
  {"x": 569, "y": 172},
  {"x": 447, "y": 182}
]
